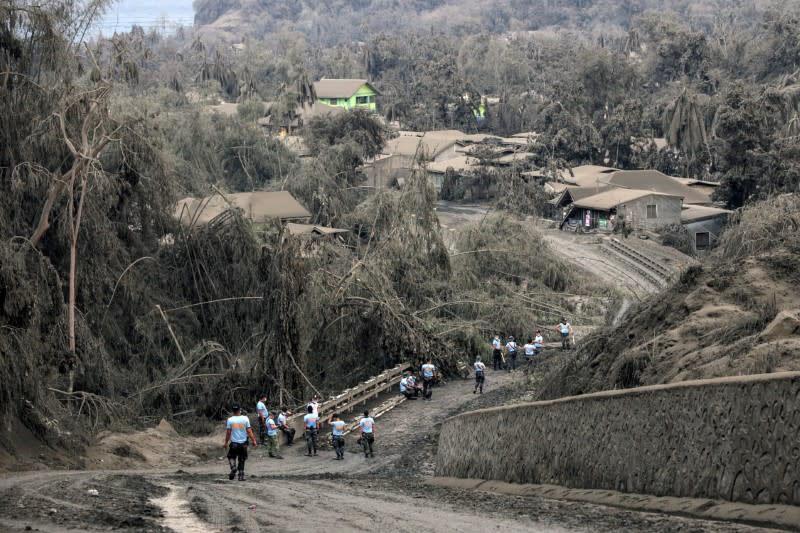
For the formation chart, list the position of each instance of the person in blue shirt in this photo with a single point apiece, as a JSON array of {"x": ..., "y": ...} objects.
[
  {"x": 311, "y": 425},
  {"x": 337, "y": 434},
  {"x": 367, "y": 426},
  {"x": 428, "y": 374},
  {"x": 497, "y": 353},
  {"x": 263, "y": 414},
  {"x": 237, "y": 430},
  {"x": 272, "y": 435}
]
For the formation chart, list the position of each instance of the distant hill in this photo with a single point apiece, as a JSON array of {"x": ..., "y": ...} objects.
[{"x": 332, "y": 21}]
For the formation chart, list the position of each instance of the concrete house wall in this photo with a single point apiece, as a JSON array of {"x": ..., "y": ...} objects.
[
  {"x": 349, "y": 103},
  {"x": 668, "y": 211}
]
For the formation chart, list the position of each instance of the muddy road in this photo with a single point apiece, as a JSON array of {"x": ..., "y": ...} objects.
[{"x": 299, "y": 493}]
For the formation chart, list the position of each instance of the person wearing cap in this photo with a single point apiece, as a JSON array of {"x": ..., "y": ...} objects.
[
  {"x": 263, "y": 414},
  {"x": 480, "y": 374},
  {"x": 272, "y": 435},
  {"x": 428, "y": 373},
  {"x": 337, "y": 435},
  {"x": 511, "y": 349},
  {"x": 284, "y": 426},
  {"x": 311, "y": 425},
  {"x": 237, "y": 431}
]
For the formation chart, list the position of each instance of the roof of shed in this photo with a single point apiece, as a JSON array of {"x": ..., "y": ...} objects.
[
  {"x": 616, "y": 196},
  {"x": 259, "y": 206},
  {"x": 340, "y": 88},
  {"x": 653, "y": 180}
]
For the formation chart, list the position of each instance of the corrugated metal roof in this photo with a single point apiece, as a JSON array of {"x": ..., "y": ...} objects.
[
  {"x": 696, "y": 213},
  {"x": 307, "y": 229},
  {"x": 259, "y": 206},
  {"x": 653, "y": 180},
  {"x": 340, "y": 88},
  {"x": 614, "y": 197}
]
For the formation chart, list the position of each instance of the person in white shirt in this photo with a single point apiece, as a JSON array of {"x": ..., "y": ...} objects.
[
  {"x": 538, "y": 341},
  {"x": 311, "y": 425},
  {"x": 428, "y": 373},
  {"x": 283, "y": 425},
  {"x": 511, "y": 348},
  {"x": 564, "y": 328},
  {"x": 480, "y": 374},
  {"x": 407, "y": 388},
  {"x": 530, "y": 350},
  {"x": 497, "y": 353},
  {"x": 337, "y": 434},
  {"x": 367, "y": 425},
  {"x": 314, "y": 404}
]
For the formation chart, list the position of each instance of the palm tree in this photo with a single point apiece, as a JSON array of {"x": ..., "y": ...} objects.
[{"x": 685, "y": 128}]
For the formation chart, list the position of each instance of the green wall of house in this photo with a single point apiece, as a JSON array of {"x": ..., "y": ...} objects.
[{"x": 364, "y": 98}]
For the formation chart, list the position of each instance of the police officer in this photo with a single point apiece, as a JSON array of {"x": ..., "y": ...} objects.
[
  {"x": 263, "y": 414},
  {"x": 497, "y": 353},
  {"x": 367, "y": 425},
  {"x": 237, "y": 430},
  {"x": 284, "y": 426},
  {"x": 337, "y": 435},
  {"x": 311, "y": 425}
]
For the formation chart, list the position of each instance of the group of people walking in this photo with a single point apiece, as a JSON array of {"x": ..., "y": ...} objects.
[
  {"x": 239, "y": 433},
  {"x": 505, "y": 356}
]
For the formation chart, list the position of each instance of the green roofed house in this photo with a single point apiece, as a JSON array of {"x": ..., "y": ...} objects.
[{"x": 348, "y": 94}]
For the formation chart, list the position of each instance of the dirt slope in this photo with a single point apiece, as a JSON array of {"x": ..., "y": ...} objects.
[{"x": 738, "y": 312}]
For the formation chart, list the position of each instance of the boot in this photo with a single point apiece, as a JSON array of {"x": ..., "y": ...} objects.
[{"x": 241, "y": 476}]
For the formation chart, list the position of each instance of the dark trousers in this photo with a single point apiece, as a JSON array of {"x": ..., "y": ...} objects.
[
  {"x": 311, "y": 440},
  {"x": 289, "y": 432},
  {"x": 512, "y": 361},
  {"x": 479, "y": 379},
  {"x": 366, "y": 443},
  {"x": 338, "y": 445},
  {"x": 427, "y": 388},
  {"x": 262, "y": 430},
  {"x": 410, "y": 394},
  {"x": 237, "y": 452},
  {"x": 497, "y": 360},
  {"x": 565, "y": 341}
]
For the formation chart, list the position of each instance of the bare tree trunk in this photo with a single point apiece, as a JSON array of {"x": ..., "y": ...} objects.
[{"x": 74, "y": 227}]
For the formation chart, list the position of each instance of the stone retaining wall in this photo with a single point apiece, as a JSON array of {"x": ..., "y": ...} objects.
[{"x": 734, "y": 439}]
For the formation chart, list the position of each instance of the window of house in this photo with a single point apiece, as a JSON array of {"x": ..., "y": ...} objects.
[
  {"x": 702, "y": 240},
  {"x": 362, "y": 100},
  {"x": 652, "y": 212}
]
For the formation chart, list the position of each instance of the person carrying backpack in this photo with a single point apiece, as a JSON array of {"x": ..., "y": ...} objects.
[
  {"x": 511, "y": 348},
  {"x": 480, "y": 371},
  {"x": 337, "y": 435}
]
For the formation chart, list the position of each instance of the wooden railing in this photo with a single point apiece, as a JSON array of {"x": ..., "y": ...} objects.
[{"x": 349, "y": 399}]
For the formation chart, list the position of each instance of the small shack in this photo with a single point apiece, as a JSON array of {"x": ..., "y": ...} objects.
[
  {"x": 704, "y": 225},
  {"x": 637, "y": 209}
]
